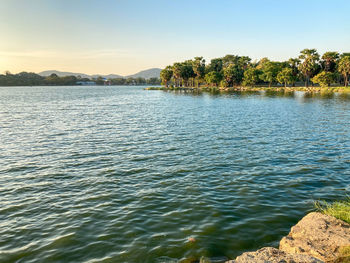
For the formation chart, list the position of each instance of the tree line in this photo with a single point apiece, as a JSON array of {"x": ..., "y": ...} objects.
[
  {"x": 32, "y": 79},
  {"x": 232, "y": 71}
]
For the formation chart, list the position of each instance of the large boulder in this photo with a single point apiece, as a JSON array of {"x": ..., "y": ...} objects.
[
  {"x": 273, "y": 255},
  {"x": 321, "y": 236}
]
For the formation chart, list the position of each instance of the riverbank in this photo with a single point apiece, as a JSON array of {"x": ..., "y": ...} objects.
[
  {"x": 318, "y": 237},
  {"x": 262, "y": 88}
]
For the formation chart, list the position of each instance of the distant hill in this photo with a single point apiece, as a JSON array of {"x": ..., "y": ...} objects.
[
  {"x": 147, "y": 74},
  {"x": 110, "y": 76},
  {"x": 47, "y": 73}
]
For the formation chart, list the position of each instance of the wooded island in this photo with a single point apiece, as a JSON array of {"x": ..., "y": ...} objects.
[{"x": 241, "y": 72}]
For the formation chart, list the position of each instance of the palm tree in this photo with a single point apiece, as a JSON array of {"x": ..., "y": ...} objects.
[
  {"x": 344, "y": 68},
  {"x": 166, "y": 75},
  {"x": 309, "y": 64}
]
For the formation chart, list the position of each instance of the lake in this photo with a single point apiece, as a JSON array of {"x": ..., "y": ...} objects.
[{"x": 120, "y": 174}]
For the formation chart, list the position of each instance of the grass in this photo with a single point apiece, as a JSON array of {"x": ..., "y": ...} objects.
[
  {"x": 331, "y": 89},
  {"x": 344, "y": 255},
  {"x": 154, "y": 88},
  {"x": 339, "y": 209}
]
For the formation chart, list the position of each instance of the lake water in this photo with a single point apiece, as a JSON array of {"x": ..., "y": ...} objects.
[{"x": 120, "y": 174}]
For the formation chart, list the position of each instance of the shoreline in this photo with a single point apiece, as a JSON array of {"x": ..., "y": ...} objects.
[
  {"x": 316, "y": 238},
  {"x": 256, "y": 88}
]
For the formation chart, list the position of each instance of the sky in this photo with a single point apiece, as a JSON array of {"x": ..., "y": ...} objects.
[{"x": 126, "y": 36}]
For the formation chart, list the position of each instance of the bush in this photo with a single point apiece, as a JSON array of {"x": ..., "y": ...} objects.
[{"x": 324, "y": 79}]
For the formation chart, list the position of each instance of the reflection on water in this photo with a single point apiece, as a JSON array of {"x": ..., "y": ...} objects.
[
  {"x": 119, "y": 174},
  {"x": 319, "y": 95},
  {"x": 305, "y": 96}
]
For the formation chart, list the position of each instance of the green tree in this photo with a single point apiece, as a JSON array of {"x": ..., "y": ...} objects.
[
  {"x": 229, "y": 59},
  {"x": 53, "y": 79},
  {"x": 324, "y": 78},
  {"x": 233, "y": 75},
  {"x": 233, "y": 68},
  {"x": 294, "y": 64},
  {"x": 153, "y": 81},
  {"x": 216, "y": 65},
  {"x": 213, "y": 78},
  {"x": 244, "y": 62},
  {"x": 166, "y": 75},
  {"x": 186, "y": 72},
  {"x": 223, "y": 83},
  {"x": 270, "y": 70},
  {"x": 118, "y": 81},
  {"x": 68, "y": 80},
  {"x": 128, "y": 81},
  {"x": 177, "y": 68},
  {"x": 346, "y": 54},
  {"x": 251, "y": 76},
  {"x": 100, "y": 80},
  {"x": 329, "y": 61},
  {"x": 286, "y": 76},
  {"x": 309, "y": 64},
  {"x": 344, "y": 68},
  {"x": 140, "y": 81},
  {"x": 262, "y": 63},
  {"x": 198, "y": 66}
]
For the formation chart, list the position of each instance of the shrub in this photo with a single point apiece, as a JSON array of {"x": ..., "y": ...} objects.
[{"x": 324, "y": 79}]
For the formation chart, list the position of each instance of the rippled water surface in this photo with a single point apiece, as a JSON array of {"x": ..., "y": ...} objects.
[{"x": 120, "y": 174}]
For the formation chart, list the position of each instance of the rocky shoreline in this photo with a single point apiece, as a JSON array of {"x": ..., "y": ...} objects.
[{"x": 316, "y": 238}]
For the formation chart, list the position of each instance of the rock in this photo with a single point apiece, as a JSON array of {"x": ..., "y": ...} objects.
[
  {"x": 273, "y": 255},
  {"x": 318, "y": 235}
]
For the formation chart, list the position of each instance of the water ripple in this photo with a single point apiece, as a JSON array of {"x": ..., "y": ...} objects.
[{"x": 118, "y": 174}]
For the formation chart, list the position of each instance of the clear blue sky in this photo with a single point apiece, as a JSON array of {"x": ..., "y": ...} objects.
[{"x": 125, "y": 36}]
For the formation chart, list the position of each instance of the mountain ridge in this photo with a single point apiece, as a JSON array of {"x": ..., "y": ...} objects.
[{"x": 147, "y": 74}]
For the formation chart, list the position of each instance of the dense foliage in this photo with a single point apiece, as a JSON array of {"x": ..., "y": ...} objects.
[
  {"x": 232, "y": 70},
  {"x": 32, "y": 79},
  {"x": 324, "y": 79}
]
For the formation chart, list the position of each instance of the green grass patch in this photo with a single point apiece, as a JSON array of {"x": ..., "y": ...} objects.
[
  {"x": 154, "y": 88},
  {"x": 339, "y": 209},
  {"x": 205, "y": 88}
]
